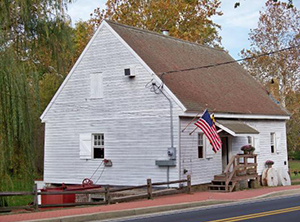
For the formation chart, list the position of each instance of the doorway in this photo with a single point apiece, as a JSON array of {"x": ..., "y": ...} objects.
[{"x": 225, "y": 152}]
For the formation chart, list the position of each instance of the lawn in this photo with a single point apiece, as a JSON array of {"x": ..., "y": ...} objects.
[
  {"x": 294, "y": 166},
  {"x": 18, "y": 185}
]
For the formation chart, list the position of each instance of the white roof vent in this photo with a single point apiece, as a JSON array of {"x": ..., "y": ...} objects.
[{"x": 130, "y": 71}]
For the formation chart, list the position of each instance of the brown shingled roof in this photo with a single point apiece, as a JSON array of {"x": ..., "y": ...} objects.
[{"x": 224, "y": 89}]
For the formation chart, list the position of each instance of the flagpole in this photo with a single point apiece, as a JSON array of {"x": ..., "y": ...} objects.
[
  {"x": 196, "y": 126},
  {"x": 190, "y": 122},
  {"x": 193, "y": 130}
]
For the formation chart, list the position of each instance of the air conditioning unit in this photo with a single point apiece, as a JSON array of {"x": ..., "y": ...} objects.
[{"x": 130, "y": 71}]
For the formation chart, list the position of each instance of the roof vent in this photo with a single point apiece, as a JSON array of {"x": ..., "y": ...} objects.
[
  {"x": 129, "y": 71},
  {"x": 165, "y": 32}
]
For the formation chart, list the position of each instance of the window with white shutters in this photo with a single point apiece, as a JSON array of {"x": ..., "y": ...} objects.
[{"x": 85, "y": 143}]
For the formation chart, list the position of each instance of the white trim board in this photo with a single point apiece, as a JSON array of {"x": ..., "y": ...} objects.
[{"x": 240, "y": 116}]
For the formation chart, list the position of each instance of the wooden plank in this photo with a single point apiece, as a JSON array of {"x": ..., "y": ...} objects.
[
  {"x": 245, "y": 177},
  {"x": 72, "y": 192},
  {"x": 171, "y": 182},
  {"x": 128, "y": 198},
  {"x": 35, "y": 197},
  {"x": 127, "y": 188},
  {"x": 189, "y": 184},
  {"x": 149, "y": 189},
  {"x": 19, "y": 193},
  {"x": 107, "y": 195},
  {"x": 4, "y": 209},
  {"x": 72, "y": 204}
]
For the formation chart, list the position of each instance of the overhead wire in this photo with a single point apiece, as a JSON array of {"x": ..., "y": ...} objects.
[
  {"x": 154, "y": 88},
  {"x": 228, "y": 62}
]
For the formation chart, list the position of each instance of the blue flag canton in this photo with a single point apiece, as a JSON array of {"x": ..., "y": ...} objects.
[{"x": 207, "y": 118}]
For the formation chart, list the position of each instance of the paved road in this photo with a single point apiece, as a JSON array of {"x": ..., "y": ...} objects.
[{"x": 275, "y": 210}]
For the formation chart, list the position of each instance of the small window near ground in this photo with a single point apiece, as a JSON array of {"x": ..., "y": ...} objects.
[
  {"x": 272, "y": 142},
  {"x": 98, "y": 146},
  {"x": 200, "y": 146}
]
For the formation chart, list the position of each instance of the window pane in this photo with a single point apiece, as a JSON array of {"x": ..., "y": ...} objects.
[
  {"x": 200, "y": 139},
  {"x": 249, "y": 140},
  {"x": 200, "y": 151},
  {"x": 272, "y": 142},
  {"x": 98, "y": 153}
]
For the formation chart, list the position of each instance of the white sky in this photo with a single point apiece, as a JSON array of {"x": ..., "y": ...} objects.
[{"x": 235, "y": 23}]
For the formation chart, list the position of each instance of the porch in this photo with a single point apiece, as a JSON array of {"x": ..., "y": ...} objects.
[{"x": 241, "y": 167}]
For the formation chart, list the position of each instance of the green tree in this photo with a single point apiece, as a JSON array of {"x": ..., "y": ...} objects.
[
  {"x": 186, "y": 19},
  {"x": 35, "y": 41}
]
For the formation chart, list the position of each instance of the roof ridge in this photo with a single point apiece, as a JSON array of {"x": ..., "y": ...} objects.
[{"x": 162, "y": 35}]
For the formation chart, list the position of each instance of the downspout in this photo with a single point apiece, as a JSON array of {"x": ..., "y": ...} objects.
[
  {"x": 171, "y": 117},
  {"x": 171, "y": 131}
]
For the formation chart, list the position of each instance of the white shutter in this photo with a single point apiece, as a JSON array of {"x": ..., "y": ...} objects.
[
  {"x": 208, "y": 149},
  {"x": 96, "y": 85},
  {"x": 85, "y": 146},
  {"x": 256, "y": 144},
  {"x": 278, "y": 142}
]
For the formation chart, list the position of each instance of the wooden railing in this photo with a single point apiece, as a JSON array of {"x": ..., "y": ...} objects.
[
  {"x": 235, "y": 165},
  {"x": 107, "y": 192}
]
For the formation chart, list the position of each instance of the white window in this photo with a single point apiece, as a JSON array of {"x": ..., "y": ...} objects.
[
  {"x": 250, "y": 140},
  {"x": 98, "y": 146},
  {"x": 96, "y": 85},
  {"x": 272, "y": 135},
  {"x": 200, "y": 146}
]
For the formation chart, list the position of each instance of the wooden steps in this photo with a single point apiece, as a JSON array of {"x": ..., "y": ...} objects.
[
  {"x": 235, "y": 171},
  {"x": 219, "y": 184}
]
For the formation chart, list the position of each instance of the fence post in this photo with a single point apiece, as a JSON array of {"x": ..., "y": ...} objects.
[
  {"x": 189, "y": 184},
  {"x": 35, "y": 198},
  {"x": 149, "y": 189},
  {"x": 107, "y": 195}
]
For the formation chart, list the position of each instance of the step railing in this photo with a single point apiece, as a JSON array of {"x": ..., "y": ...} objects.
[
  {"x": 229, "y": 175},
  {"x": 235, "y": 165}
]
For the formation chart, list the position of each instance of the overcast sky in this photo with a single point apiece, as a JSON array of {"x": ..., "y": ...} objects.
[{"x": 235, "y": 23}]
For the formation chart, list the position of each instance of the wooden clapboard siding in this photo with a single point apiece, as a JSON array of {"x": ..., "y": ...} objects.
[
  {"x": 201, "y": 170},
  {"x": 265, "y": 127},
  {"x": 135, "y": 121}
]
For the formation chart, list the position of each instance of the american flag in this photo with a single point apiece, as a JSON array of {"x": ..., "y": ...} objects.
[{"x": 207, "y": 125}]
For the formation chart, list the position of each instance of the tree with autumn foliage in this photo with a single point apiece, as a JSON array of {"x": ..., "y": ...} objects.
[
  {"x": 278, "y": 28},
  {"x": 185, "y": 19},
  {"x": 36, "y": 49}
]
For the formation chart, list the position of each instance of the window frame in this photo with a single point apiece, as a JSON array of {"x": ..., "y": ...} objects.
[
  {"x": 200, "y": 146},
  {"x": 99, "y": 144},
  {"x": 250, "y": 140},
  {"x": 273, "y": 142}
]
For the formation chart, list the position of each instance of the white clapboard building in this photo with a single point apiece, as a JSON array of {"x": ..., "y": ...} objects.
[{"x": 120, "y": 102}]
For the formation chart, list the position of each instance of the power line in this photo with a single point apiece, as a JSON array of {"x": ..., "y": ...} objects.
[
  {"x": 229, "y": 62},
  {"x": 184, "y": 70}
]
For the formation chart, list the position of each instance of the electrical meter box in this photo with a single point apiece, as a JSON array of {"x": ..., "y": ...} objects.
[{"x": 172, "y": 153}]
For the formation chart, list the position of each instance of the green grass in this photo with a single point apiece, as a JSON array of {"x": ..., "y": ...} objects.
[
  {"x": 294, "y": 165},
  {"x": 18, "y": 185}
]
